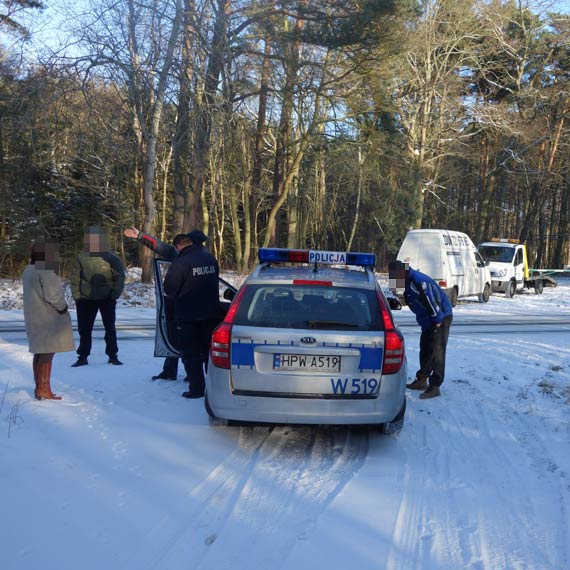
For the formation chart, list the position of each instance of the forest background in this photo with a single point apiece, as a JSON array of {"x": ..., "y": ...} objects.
[{"x": 330, "y": 124}]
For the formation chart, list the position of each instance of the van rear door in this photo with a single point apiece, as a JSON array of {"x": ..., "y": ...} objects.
[{"x": 423, "y": 251}]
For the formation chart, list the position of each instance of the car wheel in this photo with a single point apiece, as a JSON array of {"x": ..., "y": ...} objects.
[
  {"x": 453, "y": 297},
  {"x": 396, "y": 424},
  {"x": 484, "y": 297},
  {"x": 538, "y": 286},
  {"x": 511, "y": 290}
]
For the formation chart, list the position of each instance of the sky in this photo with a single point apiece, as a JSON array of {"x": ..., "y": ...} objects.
[{"x": 124, "y": 473}]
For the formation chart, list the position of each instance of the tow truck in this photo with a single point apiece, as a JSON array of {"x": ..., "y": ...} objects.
[{"x": 508, "y": 264}]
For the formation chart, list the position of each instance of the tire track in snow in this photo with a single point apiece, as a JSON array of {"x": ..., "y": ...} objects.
[
  {"x": 264, "y": 497},
  {"x": 521, "y": 467},
  {"x": 299, "y": 471},
  {"x": 470, "y": 451},
  {"x": 167, "y": 537},
  {"x": 416, "y": 528}
]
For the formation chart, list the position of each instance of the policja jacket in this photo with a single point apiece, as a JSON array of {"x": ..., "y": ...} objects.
[
  {"x": 426, "y": 299},
  {"x": 192, "y": 281}
]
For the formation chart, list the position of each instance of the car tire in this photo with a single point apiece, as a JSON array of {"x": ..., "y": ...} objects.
[
  {"x": 396, "y": 425},
  {"x": 538, "y": 286},
  {"x": 511, "y": 290},
  {"x": 453, "y": 297},
  {"x": 484, "y": 297}
]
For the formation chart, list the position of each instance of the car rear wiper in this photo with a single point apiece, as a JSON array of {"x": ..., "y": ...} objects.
[{"x": 330, "y": 324}]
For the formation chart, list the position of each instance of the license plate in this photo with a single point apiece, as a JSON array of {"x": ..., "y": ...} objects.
[{"x": 310, "y": 362}]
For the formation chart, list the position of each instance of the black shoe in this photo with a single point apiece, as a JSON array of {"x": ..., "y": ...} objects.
[
  {"x": 192, "y": 395},
  {"x": 431, "y": 392},
  {"x": 81, "y": 361},
  {"x": 164, "y": 376},
  {"x": 114, "y": 360}
]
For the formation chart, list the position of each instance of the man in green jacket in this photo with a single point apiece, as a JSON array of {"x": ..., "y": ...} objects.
[{"x": 97, "y": 281}]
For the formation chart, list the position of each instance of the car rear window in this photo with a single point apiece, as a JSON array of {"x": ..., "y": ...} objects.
[{"x": 309, "y": 307}]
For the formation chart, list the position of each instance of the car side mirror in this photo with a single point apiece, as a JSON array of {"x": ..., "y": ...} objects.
[
  {"x": 394, "y": 303},
  {"x": 229, "y": 294}
]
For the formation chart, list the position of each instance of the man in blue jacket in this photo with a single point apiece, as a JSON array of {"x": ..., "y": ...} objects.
[{"x": 433, "y": 313}]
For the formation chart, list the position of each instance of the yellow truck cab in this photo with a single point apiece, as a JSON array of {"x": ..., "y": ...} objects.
[{"x": 508, "y": 264}]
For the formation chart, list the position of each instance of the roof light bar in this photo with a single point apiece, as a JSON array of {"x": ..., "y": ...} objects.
[
  {"x": 505, "y": 240},
  {"x": 274, "y": 254},
  {"x": 269, "y": 254}
]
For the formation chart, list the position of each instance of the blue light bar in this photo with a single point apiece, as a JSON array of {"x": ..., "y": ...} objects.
[
  {"x": 275, "y": 254},
  {"x": 281, "y": 255},
  {"x": 362, "y": 259}
]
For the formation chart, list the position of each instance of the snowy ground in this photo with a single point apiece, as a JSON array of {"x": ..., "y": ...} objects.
[{"x": 124, "y": 473}]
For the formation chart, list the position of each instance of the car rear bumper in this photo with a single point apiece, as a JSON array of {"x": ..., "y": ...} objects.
[{"x": 305, "y": 410}]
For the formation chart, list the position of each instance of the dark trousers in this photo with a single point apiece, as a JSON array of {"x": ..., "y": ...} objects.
[
  {"x": 195, "y": 345},
  {"x": 433, "y": 344},
  {"x": 86, "y": 313},
  {"x": 170, "y": 366}
]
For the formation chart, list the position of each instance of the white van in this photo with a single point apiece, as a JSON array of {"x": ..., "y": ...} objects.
[{"x": 451, "y": 259}]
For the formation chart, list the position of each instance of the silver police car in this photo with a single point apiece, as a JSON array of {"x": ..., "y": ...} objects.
[{"x": 309, "y": 339}]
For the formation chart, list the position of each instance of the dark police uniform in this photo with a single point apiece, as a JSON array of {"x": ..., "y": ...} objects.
[{"x": 192, "y": 281}]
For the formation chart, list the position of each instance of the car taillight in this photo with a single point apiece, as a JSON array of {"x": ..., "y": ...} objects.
[
  {"x": 220, "y": 346},
  {"x": 393, "y": 340},
  {"x": 222, "y": 335},
  {"x": 393, "y": 352}
]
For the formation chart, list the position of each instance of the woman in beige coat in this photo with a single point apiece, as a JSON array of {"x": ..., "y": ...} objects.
[{"x": 48, "y": 324}]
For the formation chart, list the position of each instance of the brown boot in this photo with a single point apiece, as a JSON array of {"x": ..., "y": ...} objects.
[
  {"x": 43, "y": 384},
  {"x": 431, "y": 392},
  {"x": 420, "y": 383}
]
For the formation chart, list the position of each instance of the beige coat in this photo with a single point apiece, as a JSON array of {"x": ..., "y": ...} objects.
[{"x": 48, "y": 324}]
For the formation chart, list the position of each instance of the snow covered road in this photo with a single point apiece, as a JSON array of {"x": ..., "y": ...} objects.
[{"x": 123, "y": 473}]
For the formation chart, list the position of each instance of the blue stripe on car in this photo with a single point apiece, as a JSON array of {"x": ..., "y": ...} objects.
[
  {"x": 370, "y": 358},
  {"x": 243, "y": 355}
]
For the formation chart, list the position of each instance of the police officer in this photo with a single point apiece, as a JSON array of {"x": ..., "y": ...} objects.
[
  {"x": 192, "y": 282},
  {"x": 432, "y": 308}
]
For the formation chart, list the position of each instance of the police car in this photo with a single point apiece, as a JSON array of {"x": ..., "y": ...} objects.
[{"x": 309, "y": 338}]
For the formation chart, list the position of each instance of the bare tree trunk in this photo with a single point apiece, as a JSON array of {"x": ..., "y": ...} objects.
[
  {"x": 358, "y": 199},
  {"x": 260, "y": 133},
  {"x": 185, "y": 199},
  {"x": 205, "y": 115},
  {"x": 151, "y": 132}
]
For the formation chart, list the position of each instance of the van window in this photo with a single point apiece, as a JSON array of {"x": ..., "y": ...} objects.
[
  {"x": 519, "y": 257},
  {"x": 479, "y": 260}
]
